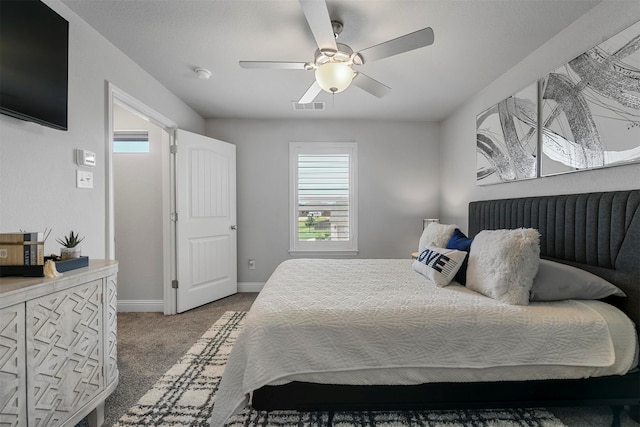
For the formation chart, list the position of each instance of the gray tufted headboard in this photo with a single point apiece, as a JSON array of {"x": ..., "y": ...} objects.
[{"x": 598, "y": 232}]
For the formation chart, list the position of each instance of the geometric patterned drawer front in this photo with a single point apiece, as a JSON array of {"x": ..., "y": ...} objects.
[
  {"x": 64, "y": 353},
  {"x": 111, "y": 319},
  {"x": 13, "y": 378}
]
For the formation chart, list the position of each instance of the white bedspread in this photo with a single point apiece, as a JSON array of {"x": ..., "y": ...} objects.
[{"x": 378, "y": 321}]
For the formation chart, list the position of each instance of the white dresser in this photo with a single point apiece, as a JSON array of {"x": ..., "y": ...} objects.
[{"x": 58, "y": 359}]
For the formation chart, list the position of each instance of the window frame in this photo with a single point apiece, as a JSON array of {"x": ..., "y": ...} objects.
[{"x": 323, "y": 247}]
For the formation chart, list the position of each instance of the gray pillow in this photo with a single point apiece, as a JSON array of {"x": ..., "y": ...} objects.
[{"x": 555, "y": 282}]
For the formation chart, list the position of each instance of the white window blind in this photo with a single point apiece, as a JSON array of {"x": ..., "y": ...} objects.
[{"x": 323, "y": 196}]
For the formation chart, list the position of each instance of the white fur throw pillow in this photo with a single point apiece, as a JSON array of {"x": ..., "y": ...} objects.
[
  {"x": 436, "y": 234},
  {"x": 439, "y": 265},
  {"x": 503, "y": 263}
]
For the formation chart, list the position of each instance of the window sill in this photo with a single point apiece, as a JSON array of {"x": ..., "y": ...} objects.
[{"x": 327, "y": 253}]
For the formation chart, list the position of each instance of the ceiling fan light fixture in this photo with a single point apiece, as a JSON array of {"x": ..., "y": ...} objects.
[{"x": 334, "y": 77}]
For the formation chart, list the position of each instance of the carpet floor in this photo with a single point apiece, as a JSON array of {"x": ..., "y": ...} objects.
[{"x": 149, "y": 344}]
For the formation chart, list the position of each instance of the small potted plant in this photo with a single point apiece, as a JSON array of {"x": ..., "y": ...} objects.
[{"x": 70, "y": 247}]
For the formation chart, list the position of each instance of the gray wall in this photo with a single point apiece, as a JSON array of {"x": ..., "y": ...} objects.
[
  {"x": 398, "y": 186},
  {"x": 137, "y": 189},
  {"x": 37, "y": 169},
  {"x": 458, "y": 131}
]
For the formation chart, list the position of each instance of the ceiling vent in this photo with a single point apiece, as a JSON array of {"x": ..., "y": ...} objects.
[{"x": 311, "y": 106}]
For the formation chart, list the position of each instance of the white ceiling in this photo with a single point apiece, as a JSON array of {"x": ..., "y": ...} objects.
[{"x": 475, "y": 42}]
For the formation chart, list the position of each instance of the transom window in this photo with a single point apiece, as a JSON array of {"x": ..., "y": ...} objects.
[
  {"x": 323, "y": 197},
  {"x": 130, "y": 141}
]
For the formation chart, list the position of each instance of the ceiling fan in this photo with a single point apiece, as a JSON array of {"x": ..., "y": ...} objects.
[{"x": 333, "y": 62}]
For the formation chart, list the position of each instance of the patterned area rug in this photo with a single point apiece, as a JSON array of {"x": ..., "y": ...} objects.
[{"x": 185, "y": 394}]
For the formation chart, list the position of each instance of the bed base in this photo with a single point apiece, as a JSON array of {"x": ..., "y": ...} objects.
[{"x": 614, "y": 391}]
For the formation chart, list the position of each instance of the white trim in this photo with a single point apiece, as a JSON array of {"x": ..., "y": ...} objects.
[
  {"x": 333, "y": 253},
  {"x": 140, "y": 306},
  {"x": 117, "y": 96},
  {"x": 250, "y": 286}
]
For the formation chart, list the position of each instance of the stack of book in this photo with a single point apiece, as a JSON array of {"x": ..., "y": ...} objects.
[{"x": 21, "y": 250}]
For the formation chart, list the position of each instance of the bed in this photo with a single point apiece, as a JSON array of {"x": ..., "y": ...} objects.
[{"x": 596, "y": 232}]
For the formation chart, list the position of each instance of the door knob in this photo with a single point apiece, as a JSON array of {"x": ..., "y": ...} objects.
[{"x": 234, "y": 227}]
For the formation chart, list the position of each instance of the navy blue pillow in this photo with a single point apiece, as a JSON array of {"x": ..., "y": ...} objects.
[{"x": 460, "y": 242}]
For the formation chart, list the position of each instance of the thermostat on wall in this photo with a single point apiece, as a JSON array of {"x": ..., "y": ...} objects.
[{"x": 85, "y": 158}]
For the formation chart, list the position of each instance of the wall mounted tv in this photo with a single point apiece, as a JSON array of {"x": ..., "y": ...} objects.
[{"x": 34, "y": 57}]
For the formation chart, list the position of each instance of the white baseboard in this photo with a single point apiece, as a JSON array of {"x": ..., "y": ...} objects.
[
  {"x": 143, "y": 306},
  {"x": 130, "y": 306},
  {"x": 250, "y": 286}
]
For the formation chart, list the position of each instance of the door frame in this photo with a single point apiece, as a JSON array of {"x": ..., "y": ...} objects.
[{"x": 116, "y": 96}]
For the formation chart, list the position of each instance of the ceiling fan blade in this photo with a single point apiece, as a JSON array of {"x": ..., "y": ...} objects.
[
  {"x": 274, "y": 65},
  {"x": 311, "y": 93},
  {"x": 370, "y": 85},
  {"x": 411, "y": 41},
  {"x": 319, "y": 21}
]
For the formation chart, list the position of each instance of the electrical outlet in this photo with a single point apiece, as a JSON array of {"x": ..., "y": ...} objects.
[{"x": 252, "y": 264}]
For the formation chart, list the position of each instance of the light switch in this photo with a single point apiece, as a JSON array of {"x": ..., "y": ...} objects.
[{"x": 84, "y": 179}]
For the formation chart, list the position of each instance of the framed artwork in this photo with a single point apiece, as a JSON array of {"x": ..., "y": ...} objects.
[
  {"x": 590, "y": 111},
  {"x": 507, "y": 139}
]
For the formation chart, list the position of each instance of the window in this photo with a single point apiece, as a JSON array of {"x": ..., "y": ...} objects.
[
  {"x": 130, "y": 141},
  {"x": 323, "y": 190}
]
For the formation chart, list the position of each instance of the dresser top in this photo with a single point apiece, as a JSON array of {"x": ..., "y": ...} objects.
[{"x": 17, "y": 289}]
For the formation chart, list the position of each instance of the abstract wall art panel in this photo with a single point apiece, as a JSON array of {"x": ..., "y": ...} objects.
[
  {"x": 590, "y": 115},
  {"x": 507, "y": 139}
]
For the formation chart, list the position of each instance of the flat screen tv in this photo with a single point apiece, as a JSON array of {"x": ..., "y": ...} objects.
[{"x": 34, "y": 57}]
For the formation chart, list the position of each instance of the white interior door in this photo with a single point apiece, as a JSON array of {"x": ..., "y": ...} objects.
[{"x": 206, "y": 241}]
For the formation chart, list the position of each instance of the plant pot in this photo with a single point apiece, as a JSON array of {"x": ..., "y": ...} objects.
[{"x": 70, "y": 253}]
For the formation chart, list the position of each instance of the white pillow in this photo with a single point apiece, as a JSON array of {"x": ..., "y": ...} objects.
[
  {"x": 436, "y": 234},
  {"x": 555, "y": 282},
  {"x": 503, "y": 263},
  {"x": 439, "y": 265}
]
